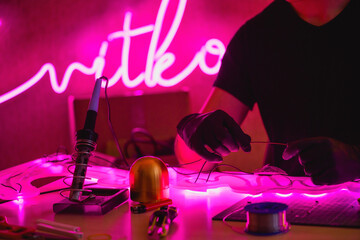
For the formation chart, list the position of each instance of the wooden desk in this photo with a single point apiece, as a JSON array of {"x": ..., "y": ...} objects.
[{"x": 194, "y": 221}]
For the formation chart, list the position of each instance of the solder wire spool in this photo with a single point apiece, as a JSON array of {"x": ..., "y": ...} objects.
[{"x": 266, "y": 218}]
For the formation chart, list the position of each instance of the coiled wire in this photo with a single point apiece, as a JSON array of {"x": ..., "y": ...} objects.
[{"x": 78, "y": 179}]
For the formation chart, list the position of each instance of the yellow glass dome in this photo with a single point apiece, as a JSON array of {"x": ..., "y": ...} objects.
[{"x": 149, "y": 180}]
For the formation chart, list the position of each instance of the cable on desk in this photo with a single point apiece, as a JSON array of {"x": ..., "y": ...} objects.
[
  {"x": 227, "y": 165},
  {"x": 122, "y": 157},
  {"x": 243, "y": 172},
  {"x": 184, "y": 164},
  {"x": 218, "y": 165},
  {"x": 134, "y": 140},
  {"x": 58, "y": 152},
  {"x": 200, "y": 172},
  {"x": 228, "y": 215},
  {"x": 22, "y": 174},
  {"x": 114, "y": 164},
  {"x": 185, "y": 174},
  {"x": 11, "y": 187}
]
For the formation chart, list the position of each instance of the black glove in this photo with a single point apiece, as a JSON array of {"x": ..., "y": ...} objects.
[
  {"x": 213, "y": 135},
  {"x": 326, "y": 160}
]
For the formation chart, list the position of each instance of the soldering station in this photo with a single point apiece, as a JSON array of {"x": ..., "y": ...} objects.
[{"x": 148, "y": 179}]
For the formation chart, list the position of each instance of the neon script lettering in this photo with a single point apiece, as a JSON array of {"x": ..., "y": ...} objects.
[{"x": 158, "y": 59}]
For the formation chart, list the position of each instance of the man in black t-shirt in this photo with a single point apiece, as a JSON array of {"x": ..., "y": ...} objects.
[{"x": 298, "y": 61}]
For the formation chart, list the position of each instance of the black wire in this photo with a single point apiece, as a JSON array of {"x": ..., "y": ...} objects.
[
  {"x": 135, "y": 140},
  {"x": 183, "y": 164},
  {"x": 200, "y": 172},
  {"x": 218, "y": 165},
  {"x": 271, "y": 143},
  {"x": 122, "y": 157},
  {"x": 180, "y": 165},
  {"x": 185, "y": 174},
  {"x": 20, "y": 187},
  {"x": 10, "y": 187},
  {"x": 105, "y": 160},
  {"x": 227, "y": 165}
]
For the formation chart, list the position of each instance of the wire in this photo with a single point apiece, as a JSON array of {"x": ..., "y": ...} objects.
[
  {"x": 180, "y": 165},
  {"x": 114, "y": 164},
  {"x": 122, "y": 157},
  {"x": 271, "y": 143},
  {"x": 218, "y": 165},
  {"x": 228, "y": 215},
  {"x": 200, "y": 172},
  {"x": 135, "y": 140},
  {"x": 228, "y": 165},
  {"x": 22, "y": 174},
  {"x": 11, "y": 187},
  {"x": 183, "y": 164}
]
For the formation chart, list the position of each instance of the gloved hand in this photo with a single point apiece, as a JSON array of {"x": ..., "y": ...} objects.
[
  {"x": 326, "y": 160},
  {"x": 213, "y": 135}
]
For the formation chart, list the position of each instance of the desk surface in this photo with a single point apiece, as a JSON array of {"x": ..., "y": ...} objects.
[{"x": 196, "y": 209}]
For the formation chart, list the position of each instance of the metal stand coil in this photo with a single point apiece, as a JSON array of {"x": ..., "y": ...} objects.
[{"x": 85, "y": 144}]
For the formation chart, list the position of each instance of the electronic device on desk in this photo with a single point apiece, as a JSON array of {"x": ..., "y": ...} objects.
[
  {"x": 90, "y": 200},
  {"x": 149, "y": 190},
  {"x": 98, "y": 201},
  {"x": 149, "y": 184}
]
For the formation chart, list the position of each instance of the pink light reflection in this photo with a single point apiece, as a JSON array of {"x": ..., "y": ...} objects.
[
  {"x": 56, "y": 169},
  {"x": 206, "y": 192},
  {"x": 21, "y": 213},
  {"x": 255, "y": 196},
  {"x": 19, "y": 200},
  {"x": 283, "y": 195},
  {"x": 314, "y": 195}
]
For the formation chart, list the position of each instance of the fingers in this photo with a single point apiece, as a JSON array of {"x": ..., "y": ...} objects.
[
  {"x": 201, "y": 149},
  {"x": 214, "y": 143},
  {"x": 221, "y": 138},
  {"x": 316, "y": 159},
  {"x": 213, "y": 135},
  {"x": 217, "y": 146},
  {"x": 244, "y": 141},
  {"x": 294, "y": 148},
  {"x": 315, "y": 156}
]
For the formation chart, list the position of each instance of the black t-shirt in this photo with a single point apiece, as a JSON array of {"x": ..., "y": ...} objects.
[{"x": 304, "y": 78}]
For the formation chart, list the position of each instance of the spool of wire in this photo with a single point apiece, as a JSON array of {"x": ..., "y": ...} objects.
[{"x": 266, "y": 218}]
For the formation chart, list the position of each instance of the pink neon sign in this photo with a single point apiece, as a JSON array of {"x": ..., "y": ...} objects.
[{"x": 158, "y": 59}]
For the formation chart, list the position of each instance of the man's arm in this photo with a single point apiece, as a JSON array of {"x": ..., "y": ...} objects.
[{"x": 217, "y": 99}]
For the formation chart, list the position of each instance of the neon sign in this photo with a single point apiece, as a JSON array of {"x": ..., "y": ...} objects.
[{"x": 158, "y": 59}]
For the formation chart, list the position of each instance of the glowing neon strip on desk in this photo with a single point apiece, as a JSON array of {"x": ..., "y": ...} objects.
[
  {"x": 158, "y": 60},
  {"x": 16, "y": 182}
]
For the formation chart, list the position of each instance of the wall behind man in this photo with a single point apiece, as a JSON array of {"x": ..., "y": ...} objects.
[{"x": 33, "y": 33}]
